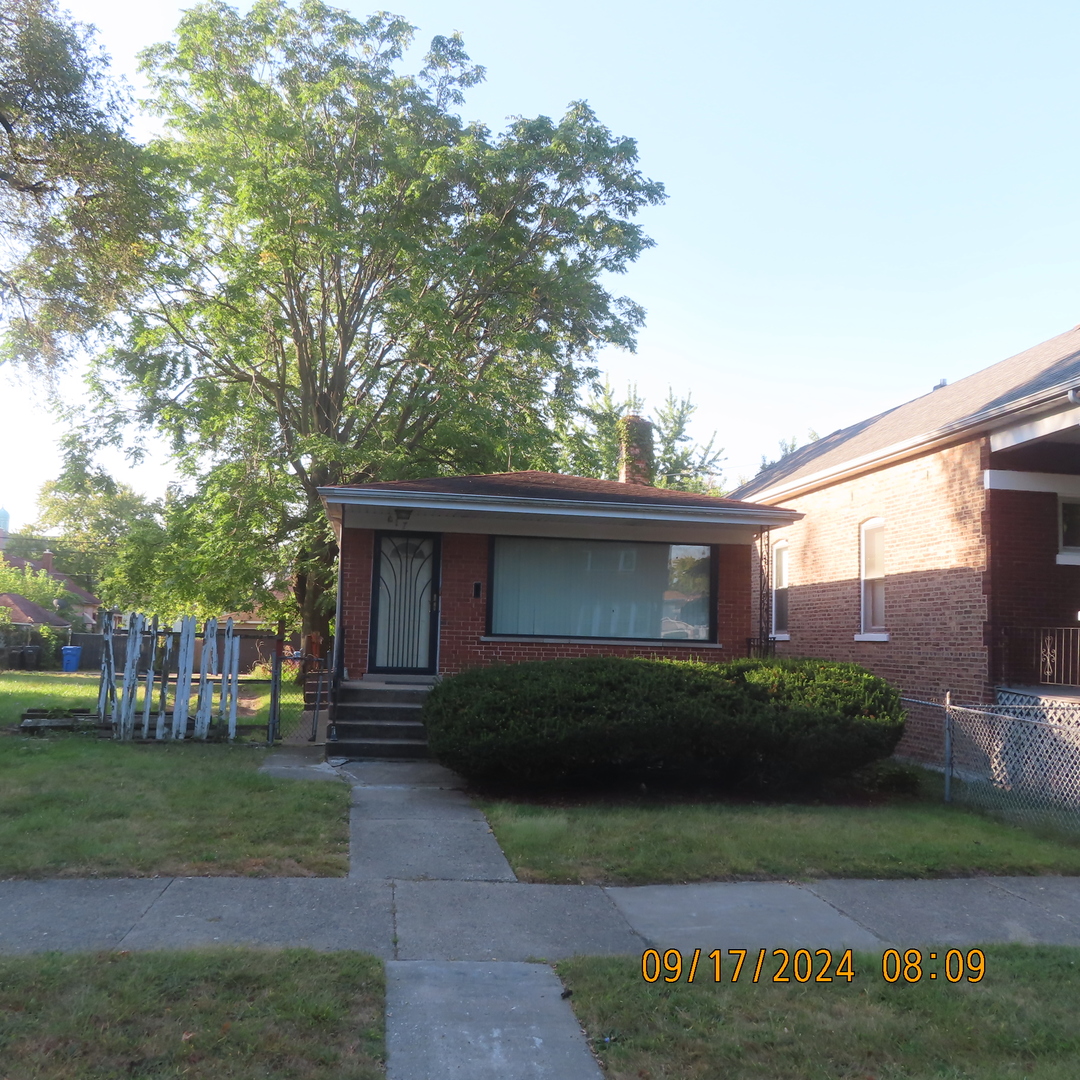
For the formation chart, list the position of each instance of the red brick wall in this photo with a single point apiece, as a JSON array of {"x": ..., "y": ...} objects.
[
  {"x": 1030, "y": 589},
  {"x": 357, "y": 550},
  {"x": 463, "y": 617},
  {"x": 936, "y": 579}
]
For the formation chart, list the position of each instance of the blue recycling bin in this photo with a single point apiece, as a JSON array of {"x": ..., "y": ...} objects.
[{"x": 69, "y": 657}]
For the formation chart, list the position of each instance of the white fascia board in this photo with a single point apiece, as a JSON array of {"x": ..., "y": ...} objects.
[
  {"x": 1034, "y": 429},
  {"x": 973, "y": 426},
  {"x": 1054, "y": 483},
  {"x": 760, "y": 516}
]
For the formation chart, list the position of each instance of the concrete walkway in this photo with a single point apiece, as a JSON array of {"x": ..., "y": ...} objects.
[{"x": 430, "y": 891}]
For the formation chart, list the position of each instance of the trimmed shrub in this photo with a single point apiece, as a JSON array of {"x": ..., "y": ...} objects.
[{"x": 766, "y": 723}]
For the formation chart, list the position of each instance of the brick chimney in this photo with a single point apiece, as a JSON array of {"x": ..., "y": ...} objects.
[
  {"x": 46, "y": 561},
  {"x": 635, "y": 451}
]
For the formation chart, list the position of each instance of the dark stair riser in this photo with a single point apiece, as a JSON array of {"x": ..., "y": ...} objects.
[
  {"x": 386, "y": 729},
  {"x": 377, "y": 748},
  {"x": 352, "y": 712},
  {"x": 381, "y": 696}
]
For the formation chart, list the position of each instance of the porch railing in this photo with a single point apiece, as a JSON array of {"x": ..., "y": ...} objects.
[{"x": 1040, "y": 655}]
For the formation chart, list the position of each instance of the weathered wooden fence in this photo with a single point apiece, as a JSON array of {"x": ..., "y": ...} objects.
[{"x": 152, "y": 658}]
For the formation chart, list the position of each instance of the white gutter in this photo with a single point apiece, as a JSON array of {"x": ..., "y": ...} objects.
[
  {"x": 898, "y": 451},
  {"x": 763, "y": 516}
]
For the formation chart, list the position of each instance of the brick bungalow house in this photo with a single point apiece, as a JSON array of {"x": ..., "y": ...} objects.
[
  {"x": 448, "y": 573},
  {"x": 940, "y": 541}
]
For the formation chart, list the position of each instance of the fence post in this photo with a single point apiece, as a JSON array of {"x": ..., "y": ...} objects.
[
  {"x": 948, "y": 746},
  {"x": 273, "y": 722}
]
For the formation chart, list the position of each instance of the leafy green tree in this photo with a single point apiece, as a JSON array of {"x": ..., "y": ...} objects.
[
  {"x": 590, "y": 444},
  {"x": 36, "y": 585},
  {"x": 360, "y": 286},
  {"x": 77, "y": 197},
  {"x": 83, "y": 518}
]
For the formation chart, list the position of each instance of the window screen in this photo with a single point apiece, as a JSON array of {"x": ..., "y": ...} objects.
[{"x": 602, "y": 589}]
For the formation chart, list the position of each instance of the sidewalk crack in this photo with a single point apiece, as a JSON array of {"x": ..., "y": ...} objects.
[
  {"x": 393, "y": 918},
  {"x": 142, "y": 915}
]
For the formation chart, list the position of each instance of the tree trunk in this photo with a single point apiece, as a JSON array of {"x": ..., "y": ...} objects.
[{"x": 314, "y": 588}]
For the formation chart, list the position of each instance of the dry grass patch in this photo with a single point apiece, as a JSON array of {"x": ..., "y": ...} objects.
[{"x": 210, "y": 1014}]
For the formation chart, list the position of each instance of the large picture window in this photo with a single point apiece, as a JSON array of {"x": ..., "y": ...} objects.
[{"x": 602, "y": 589}]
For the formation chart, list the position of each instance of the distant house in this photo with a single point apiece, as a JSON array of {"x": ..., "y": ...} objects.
[
  {"x": 939, "y": 542},
  {"x": 25, "y": 613},
  {"x": 83, "y": 605}
]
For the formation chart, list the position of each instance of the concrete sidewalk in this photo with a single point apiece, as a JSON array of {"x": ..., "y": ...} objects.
[{"x": 430, "y": 891}]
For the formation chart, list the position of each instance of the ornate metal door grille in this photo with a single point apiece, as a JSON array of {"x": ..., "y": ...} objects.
[{"x": 406, "y": 603}]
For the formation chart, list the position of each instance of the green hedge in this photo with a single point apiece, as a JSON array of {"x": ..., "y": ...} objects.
[{"x": 768, "y": 722}]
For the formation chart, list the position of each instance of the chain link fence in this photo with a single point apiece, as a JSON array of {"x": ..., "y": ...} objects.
[{"x": 1019, "y": 762}]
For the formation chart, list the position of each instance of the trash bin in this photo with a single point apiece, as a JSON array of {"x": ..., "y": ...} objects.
[{"x": 70, "y": 657}]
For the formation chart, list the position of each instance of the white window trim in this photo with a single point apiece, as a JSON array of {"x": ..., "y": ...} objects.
[
  {"x": 872, "y": 633},
  {"x": 783, "y": 635}
]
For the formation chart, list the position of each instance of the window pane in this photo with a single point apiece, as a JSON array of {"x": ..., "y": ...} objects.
[
  {"x": 873, "y": 605},
  {"x": 607, "y": 589},
  {"x": 780, "y": 611},
  {"x": 874, "y": 552},
  {"x": 780, "y": 561},
  {"x": 1070, "y": 525}
]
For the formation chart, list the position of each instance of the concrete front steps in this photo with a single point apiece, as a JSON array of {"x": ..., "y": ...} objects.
[{"x": 378, "y": 716}]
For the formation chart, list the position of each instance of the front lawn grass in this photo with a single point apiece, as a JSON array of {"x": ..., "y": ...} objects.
[
  {"x": 77, "y": 806},
  {"x": 645, "y": 843},
  {"x": 212, "y": 1014},
  {"x": 1018, "y": 1023}
]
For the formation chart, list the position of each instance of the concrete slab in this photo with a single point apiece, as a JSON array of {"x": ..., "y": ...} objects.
[
  {"x": 461, "y": 920},
  {"x": 481, "y": 1022},
  {"x": 401, "y": 803},
  {"x": 300, "y": 763},
  {"x": 1058, "y": 896},
  {"x": 967, "y": 911},
  {"x": 74, "y": 915},
  {"x": 425, "y": 848},
  {"x": 736, "y": 915},
  {"x": 319, "y": 913},
  {"x": 396, "y": 773}
]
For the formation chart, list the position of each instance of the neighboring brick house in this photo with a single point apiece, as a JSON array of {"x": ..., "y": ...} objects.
[
  {"x": 940, "y": 541},
  {"x": 454, "y": 572}
]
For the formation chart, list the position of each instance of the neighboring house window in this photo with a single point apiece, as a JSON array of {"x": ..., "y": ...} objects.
[
  {"x": 873, "y": 576},
  {"x": 780, "y": 589},
  {"x": 1070, "y": 524},
  {"x": 602, "y": 589}
]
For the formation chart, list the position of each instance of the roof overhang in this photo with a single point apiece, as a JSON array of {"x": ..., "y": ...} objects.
[
  {"x": 1007, "y": 425},
  {"x": 418, "y": 511}
]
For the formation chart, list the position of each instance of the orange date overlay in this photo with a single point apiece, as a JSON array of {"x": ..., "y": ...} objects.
[{"x": 806, "y": 965}]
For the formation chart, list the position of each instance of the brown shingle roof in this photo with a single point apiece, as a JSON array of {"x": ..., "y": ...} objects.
[
  {"x": 547, "y": 485},
  {"x": 1027, "y": 378},
  {"x": 26, "y": 611}
]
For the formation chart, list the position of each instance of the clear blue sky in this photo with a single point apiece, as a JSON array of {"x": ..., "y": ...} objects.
[{"x": 864, "y": 198}]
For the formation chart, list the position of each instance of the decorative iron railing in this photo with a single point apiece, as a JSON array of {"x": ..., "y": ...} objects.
[{"x": 1040, "y": 655}]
